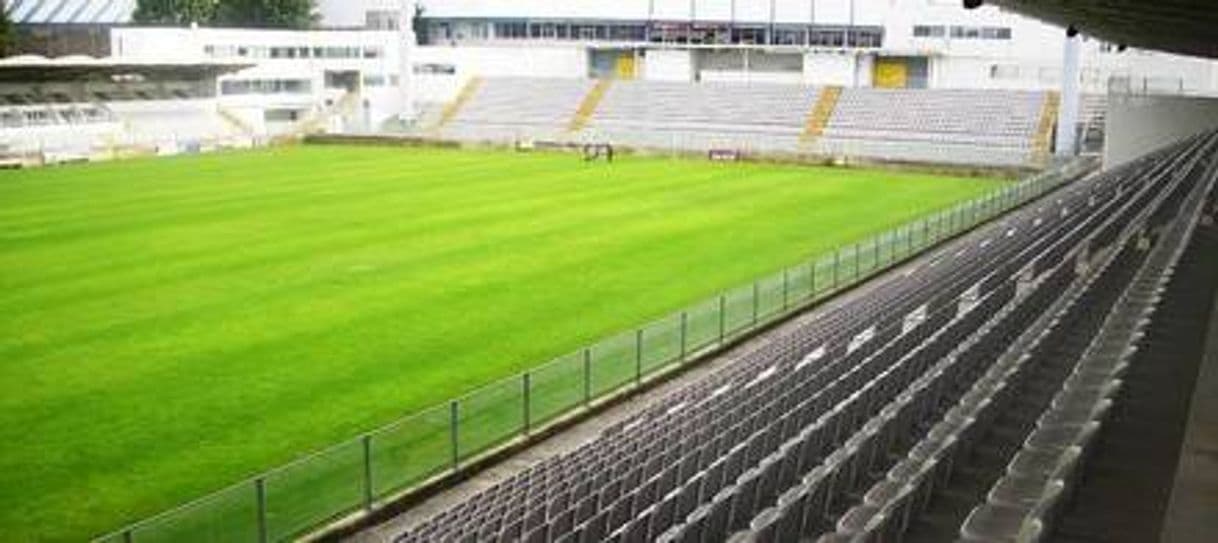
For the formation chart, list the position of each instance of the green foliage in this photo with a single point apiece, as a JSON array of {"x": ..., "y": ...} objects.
[
  {"x": 171, "y": 326},
  {"x": 297, "y": 14},
  {"x": 7, "y": 33},
  {"x": 419, "y": 26},
  {"x": 174, "y": 12}
]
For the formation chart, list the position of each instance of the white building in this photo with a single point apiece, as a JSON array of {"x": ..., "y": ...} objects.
[
  {"x": 349, "y": 73},
  {"x": 346, "y": 79}
]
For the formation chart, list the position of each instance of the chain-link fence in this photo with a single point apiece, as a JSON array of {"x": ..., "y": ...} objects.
[{"x": 357, "y": 475}]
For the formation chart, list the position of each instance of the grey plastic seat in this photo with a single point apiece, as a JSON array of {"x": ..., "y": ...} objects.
[
  {"x": 1022, "y": 491},
  {"x": 993, "y": 524},
  {"x": 1060, "y": 437}
]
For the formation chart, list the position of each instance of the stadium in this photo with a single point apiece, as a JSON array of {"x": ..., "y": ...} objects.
[{"x": 647, "y": 270}]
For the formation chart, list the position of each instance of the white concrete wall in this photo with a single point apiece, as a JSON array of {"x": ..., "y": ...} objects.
[
  {"x": 733, "y": 76},
  {"x": 1139, "y": 124},
  {"x": 565, "y": 62},
  {"x": 669, "y": 65},
  {"x": 191, "y": 44},
  {"x": 352, "y": 14},
  {"x": 829, "y": 68}
]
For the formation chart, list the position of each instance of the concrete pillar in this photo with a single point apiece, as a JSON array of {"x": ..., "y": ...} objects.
[
  {"x": 1067, "y": 116},
  {"x": 406, "y": 42}
]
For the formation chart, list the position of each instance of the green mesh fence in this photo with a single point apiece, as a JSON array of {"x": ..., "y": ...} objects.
[
  {"x": 309, "y": 492},
  {"x": 228, "y": 515},
  {"x": 489, "y": 416},
  {"x": 663, "y": 341},
  {"x": 411, "y": 450},
  {"x": 705, "y": 324},
  {"x": 556, "y": 388},
  {"x": 614, "y": 363}
]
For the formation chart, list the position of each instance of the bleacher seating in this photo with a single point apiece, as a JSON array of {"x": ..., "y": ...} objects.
[
  {"x": 516, "y": 108},
  {"x": 697, "y": 117},
  {"x": 848, "y": 427},
  {"x": 966, "y": 127},
  {"x": 166, "y": 122},
  {"x": 961, "y": 126}
]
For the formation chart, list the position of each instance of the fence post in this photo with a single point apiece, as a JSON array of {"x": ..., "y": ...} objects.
[
  {"x": 587, "y": 376},
  {"x": 453, "y": 422},
  {"x": 367, "y": 439},
  {"x": 525, "y": 386},
  {"x": 837, "y": 260},
  {"x": 638, "y": 357},
  {"x": 722, "y": 318},
  {"x": 684, "y": 333},
  {"x": 875, "y": 254},
  {"x": 785, "y": 279},
  {"x": 756, "y": 299},
  {"x": 812, "y": 279},
  {"x": 858, "y": 261},
  {"x": 127, "y": 536},
  {"x": 926, "y": 231},
  {"x": 260, "y": 496}
]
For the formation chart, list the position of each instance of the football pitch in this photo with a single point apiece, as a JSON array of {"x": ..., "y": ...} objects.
[{"x": 169, "y": 326}]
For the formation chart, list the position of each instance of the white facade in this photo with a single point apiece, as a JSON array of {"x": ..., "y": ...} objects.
[
  {"x": 335, "y": 77},
  {"x": 751, "y": 41}
]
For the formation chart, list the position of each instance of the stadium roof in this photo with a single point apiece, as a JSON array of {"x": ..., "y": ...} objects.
[
  {"x": 71, "y": 11},
  {"x": 34, "y": 68},
  {"x": 1179, "y": 26}
]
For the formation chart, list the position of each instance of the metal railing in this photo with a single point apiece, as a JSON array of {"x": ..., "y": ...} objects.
[{"x": 360, "y": 474}]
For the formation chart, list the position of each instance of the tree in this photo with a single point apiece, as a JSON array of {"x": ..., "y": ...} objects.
[
  {"x": 7, "y": 35},
  {"x": 297, "y": 14},
  {"x": 174, "y": 12},
  {"x": 419, "y": 26}
]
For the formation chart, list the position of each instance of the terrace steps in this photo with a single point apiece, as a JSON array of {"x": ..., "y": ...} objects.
[
  {"x": 1043, "y": 137},
  {"x": 463, "y": 97},
  {"x": 818, "y": 117},
  {"x": 588, "y": 106}
]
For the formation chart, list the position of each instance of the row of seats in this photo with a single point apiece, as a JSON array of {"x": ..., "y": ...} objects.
[
  {"x": 708, "y": 107},
  {"x": 975, "y": 127},
  {"x": 1025, "y": 501},
  {"x": 994, "y": 117},
  {"x": 729, "y": 453},
  {"x": 1012, "y": 403},
  {"x": 517, "y": 108},
  {"x": 854, "y": 467},
  {"x": 28, "y": 116},
  {"x": 81, "y": 131}
]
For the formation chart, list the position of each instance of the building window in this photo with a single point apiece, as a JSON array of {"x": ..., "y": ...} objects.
[
  {"x": 381, "y": 20},
  {"x": 237, "y": 87},
  {"x": 981, "y": 33},
  {"x": 434, "y": 69},
  {"x": 929, "y": 31}
]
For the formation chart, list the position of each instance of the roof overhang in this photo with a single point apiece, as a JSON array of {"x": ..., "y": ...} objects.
[
  {"x": 36, "y": 69},
  {"x": 1188, "y": 27}
]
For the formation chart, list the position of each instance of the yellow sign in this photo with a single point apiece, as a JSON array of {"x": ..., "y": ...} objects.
[
  {"x": 890, "y": 73},
  {"x": 625, "y": 65}
]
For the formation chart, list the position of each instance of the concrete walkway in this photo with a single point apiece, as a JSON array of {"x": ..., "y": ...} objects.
[{"x": 1192, "y": 513}]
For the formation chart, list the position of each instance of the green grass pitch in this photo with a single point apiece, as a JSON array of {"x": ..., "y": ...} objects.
[{"x": 169, "y": 326}]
